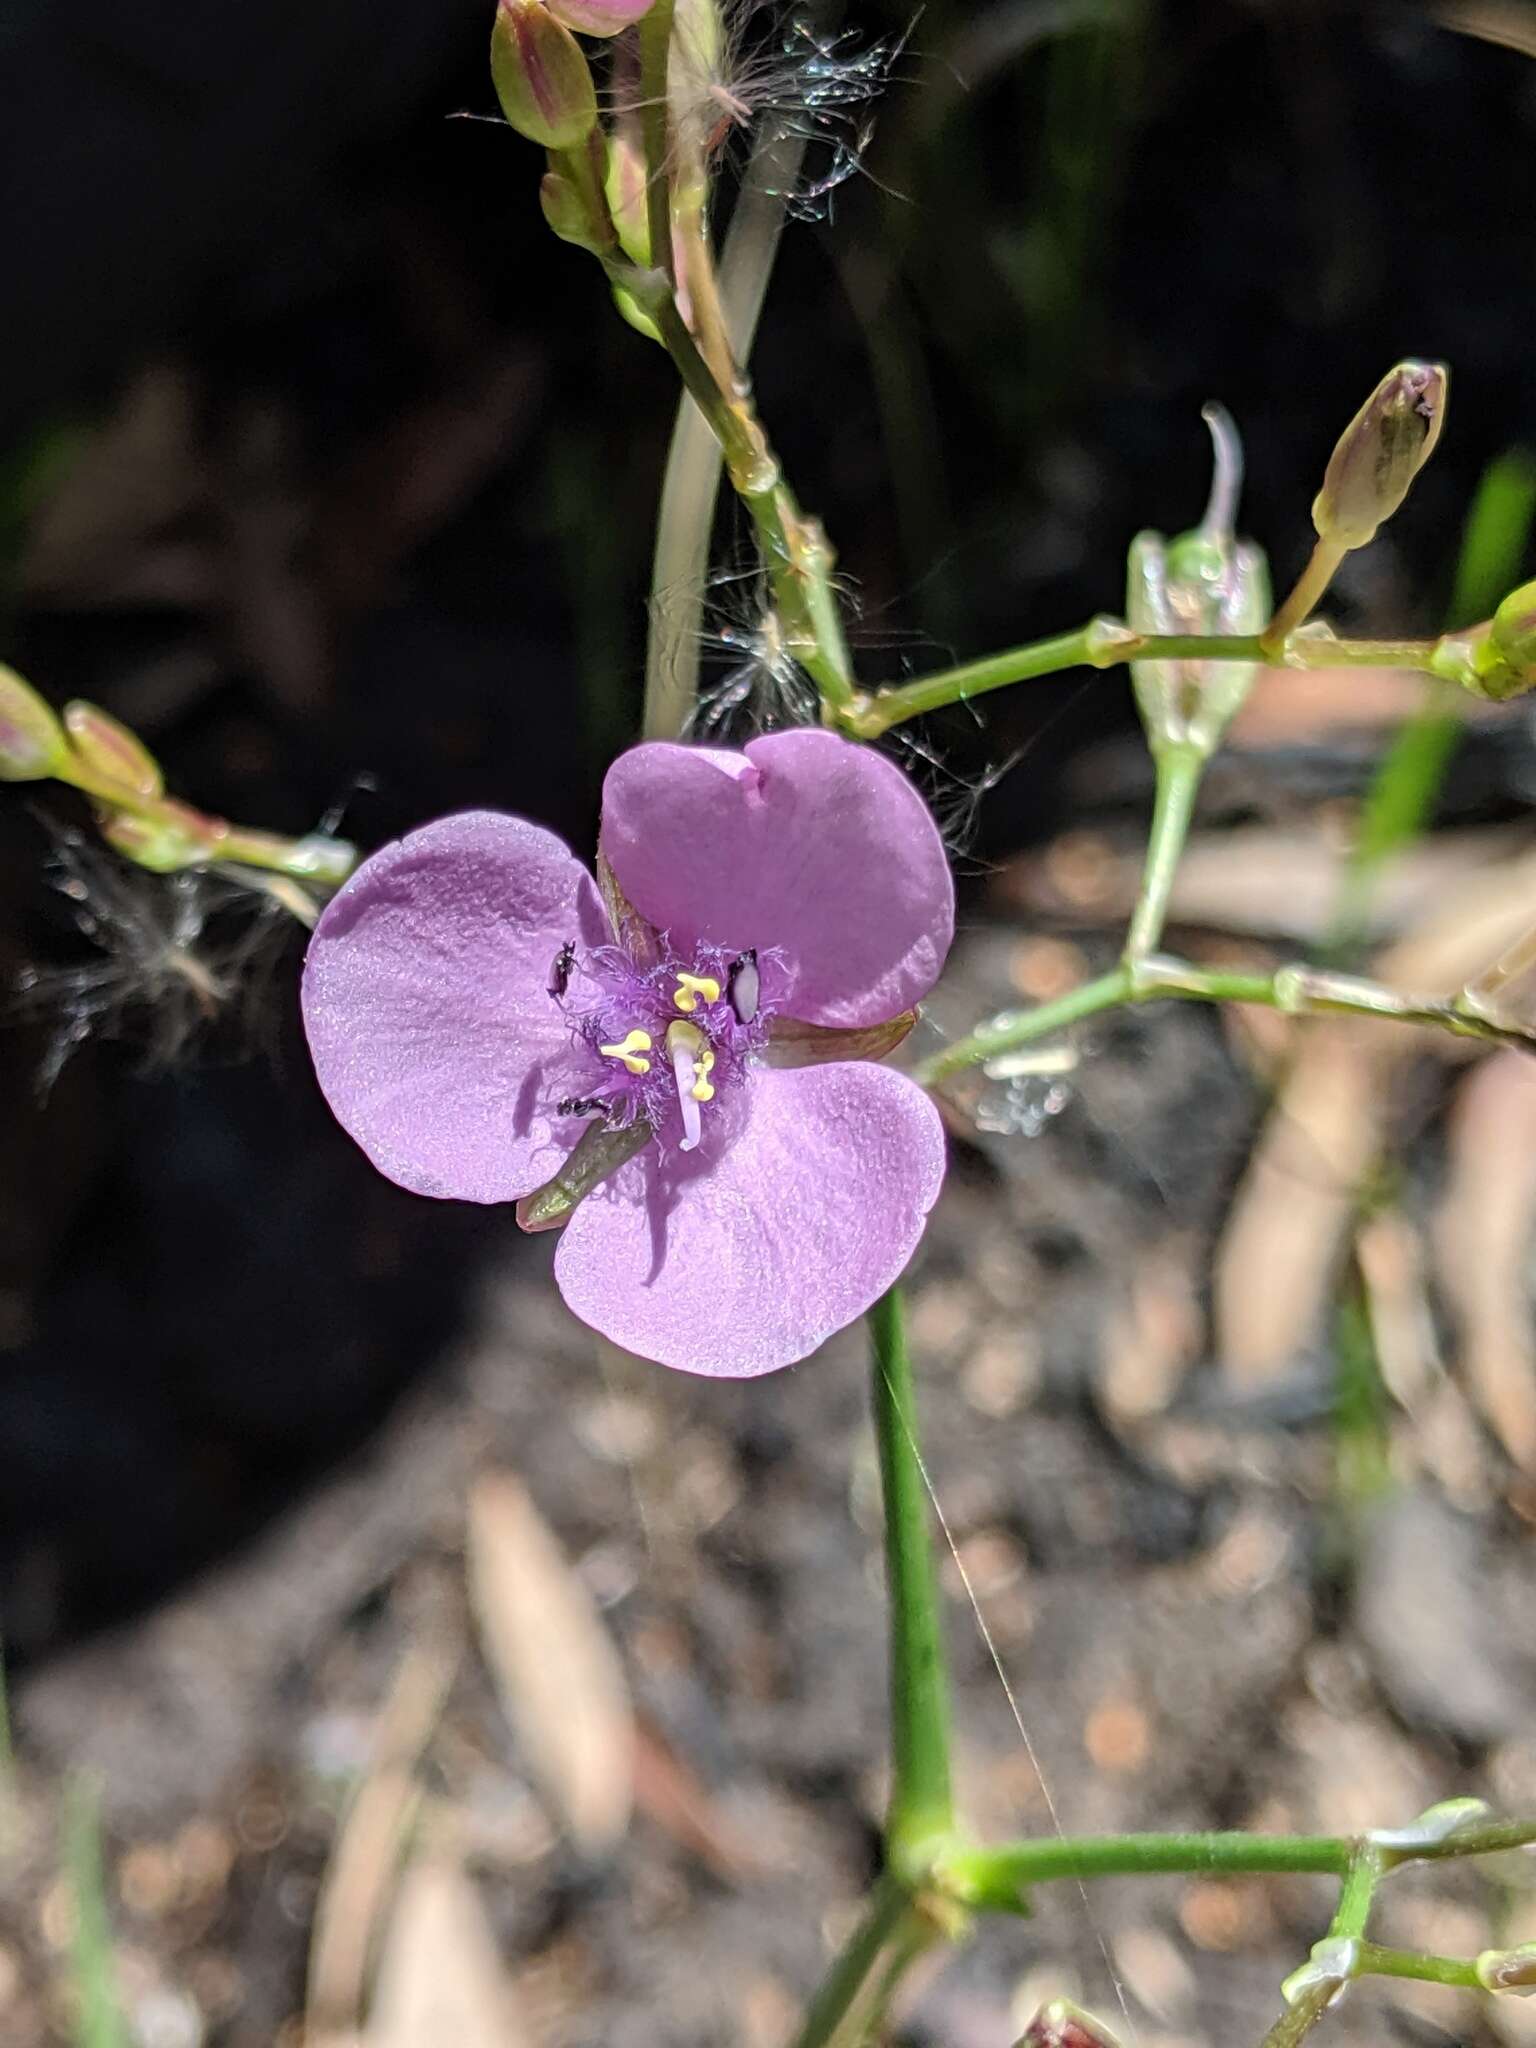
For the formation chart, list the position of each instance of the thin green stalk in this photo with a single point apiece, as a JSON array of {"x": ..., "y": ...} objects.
[
  {"x": 692, "y": 480},
  {"x": 1178, "y": 770},
  {"x": 999, "y": 1876},
  {"x": 1296, "y": 991},
  {"x": 656, "y": 131},
  {"x": 1397, "y": 1962},
  {"x": 1311, "y": 1990},
  {"x": 1298, "y": 607},
  {"x": 1014, "y": 1029},
  {"x": 1106, "y": 642},
  {"x": 849, "y": 1991},
  {"x": 922, "y": 1804},
  {"x": 1367, "y": 1867},
  {"x": 99, "y": 2021}
]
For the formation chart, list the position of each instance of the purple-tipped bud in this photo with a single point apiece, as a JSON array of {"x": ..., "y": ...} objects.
[
  {"x": 1380, "y": 452},
  {"x": 542, "y": 79},
  {"x": 599, "y": 17},
  {"x": 32, "y": 742},
  {"x": 109, "y": 749},
  {"x": 176, "y": 837},
  {"x": 1061, "y": 2024}
]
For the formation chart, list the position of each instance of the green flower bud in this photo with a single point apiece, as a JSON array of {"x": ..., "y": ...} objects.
[
  {"x": 1203, "y": 582},
  {"x": 1061, "y": 2024},
  {"x": 175, "y": 837},
  {"x": 566, "y": 213},
  {"x": 1380, "y": 452},
  {"x": 1508, "y": 1969},
  {"x": 542, "y": 79},
  {"x": 32, "y": 742},
  {"x": 632, "y": 310},
  {"x": 110, "y": 750},
  {"x": 626, "y": 186}
]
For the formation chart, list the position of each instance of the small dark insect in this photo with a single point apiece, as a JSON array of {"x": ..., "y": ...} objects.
[
  {"x": 560, "y": 973},
  {"x": 578, "y": 1105},
  {"x": 743, "y": 985}
]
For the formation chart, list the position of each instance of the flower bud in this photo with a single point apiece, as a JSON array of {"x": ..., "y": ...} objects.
[
  {"x": 566, "y": 213},
  {"x": 32, "y": 742},
  {"x": 109, "y": 749},
  {"x": 541, "y": 77},
  {"x": 175, "y": 837},
  {"x": 599, "y": 17},
  {"x": 1508, "y": 1969},
  {"x": 1380, "y": 452},
  {"x": 626, "y": 184},
  {"x": 1061, "y": 2024}
]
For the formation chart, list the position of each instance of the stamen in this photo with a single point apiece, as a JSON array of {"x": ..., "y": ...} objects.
[
  {"x": 690, "y": 987},
  {"x": 685, "y": 1043},
  {"x": 743, "y": 985},
  {"x": 703, "y": 1090},
  {"x": 630, "y": 1050}
]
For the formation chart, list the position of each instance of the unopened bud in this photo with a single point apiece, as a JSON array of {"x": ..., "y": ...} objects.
[
  {"x": 176, "y": 837},
  {"x": 109, "y": 749},
  {"x": 599, "y": 17},
  {"x": 1437, "y": 1824},
  {"x": 542, "y": 79},
  {"x": 626, "y": 184},
  {"x": 32, "y": 742},
  {"x": 1508, "y": 1969},
  {"x": 1061, "y": 2024},
  {"x": 568, "y": 215},
  {"x": 1380, "y": 452}
]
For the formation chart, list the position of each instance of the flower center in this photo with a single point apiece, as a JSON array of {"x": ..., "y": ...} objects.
[{"x": 667, "y": 1038}]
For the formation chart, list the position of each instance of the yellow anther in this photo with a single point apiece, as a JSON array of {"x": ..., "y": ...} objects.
[
  {"x": 630, "y": 1050},
  {"x": 690, "y": 987},
  {"x": 702, "y": 1089}
]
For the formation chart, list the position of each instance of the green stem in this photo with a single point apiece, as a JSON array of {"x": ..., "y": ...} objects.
[
  {"x": 1296, "y": 991},
  {"x": 850, "y": 1991},
  {"x": 1397, "y": 1962},
  {"x": 1178, "y": 769},
  {"x": 922, "y": 1806},
  {"x": 1322, "y": 565},
  {"x": 1015, "y": 1028},
  {"x": 656, "y": 131},
  {"x": 692, "y": 479},
  {"x": 1367, "y": 1867},
  {"x": 1105, "y": 643},
  {"x": 999, "y": 1876}
]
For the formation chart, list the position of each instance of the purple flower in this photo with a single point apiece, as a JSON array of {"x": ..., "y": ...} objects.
[{"x": 481, "y": 1023}]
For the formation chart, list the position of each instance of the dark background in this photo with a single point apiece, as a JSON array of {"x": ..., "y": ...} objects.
[{"x": 322, "y": 459}]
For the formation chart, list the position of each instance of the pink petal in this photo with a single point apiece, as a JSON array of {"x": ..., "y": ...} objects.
[
  {"x": 805, "y": 842},
  {"x": 738, "y": 1259},
  {"x": 427, "y": 1006}
]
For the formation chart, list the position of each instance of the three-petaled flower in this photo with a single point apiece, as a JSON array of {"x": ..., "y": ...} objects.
[{"x": 679, "y": 1066}]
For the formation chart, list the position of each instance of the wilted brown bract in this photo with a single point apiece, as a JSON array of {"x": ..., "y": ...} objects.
[{"x": 554, "y": 1664}]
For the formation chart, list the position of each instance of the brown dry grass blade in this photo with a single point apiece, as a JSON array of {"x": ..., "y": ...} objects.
[
  {"x": 1483, "y": 1232},
  {"x": 361, "y": 1873},
  {"x": 555, "y": 1666},
  {"x": 441, "y": 1982}
]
